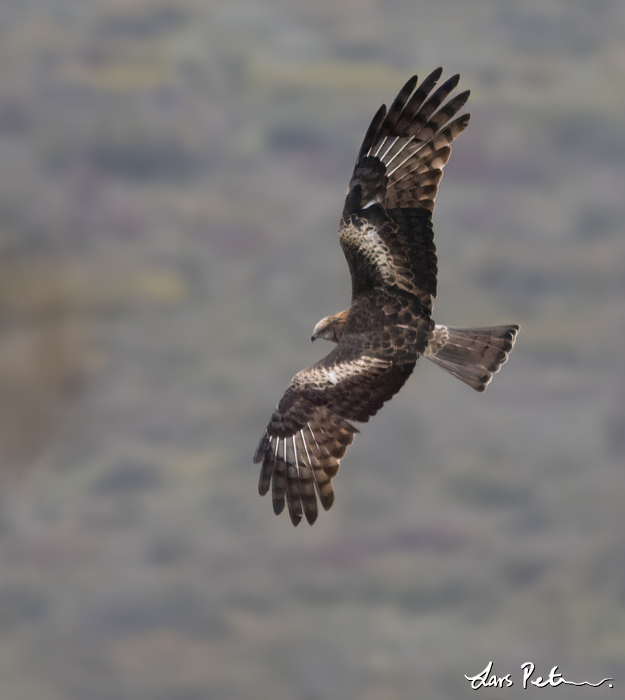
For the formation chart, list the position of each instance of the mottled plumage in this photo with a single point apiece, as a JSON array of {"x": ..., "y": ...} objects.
[{"x": 386, "y": 235}]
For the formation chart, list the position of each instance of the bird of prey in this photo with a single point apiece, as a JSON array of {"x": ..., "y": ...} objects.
[{"x": 386, "y": 236}]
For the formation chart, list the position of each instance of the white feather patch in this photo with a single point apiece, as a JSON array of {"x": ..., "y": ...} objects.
[
  {"x": 346, "y": 370},
  {"x": 334, "y": 377}
]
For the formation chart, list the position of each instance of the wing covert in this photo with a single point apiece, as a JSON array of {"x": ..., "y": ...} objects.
[{"x": 386, "y": 228}]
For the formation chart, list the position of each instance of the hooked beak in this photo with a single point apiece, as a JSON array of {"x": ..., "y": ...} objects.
[{"x": 315, "y": 333}]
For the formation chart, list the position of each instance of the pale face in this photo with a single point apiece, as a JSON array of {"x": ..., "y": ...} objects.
[{"x": 330, "y": 327}]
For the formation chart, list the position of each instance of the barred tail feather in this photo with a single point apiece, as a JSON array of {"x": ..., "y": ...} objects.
[{"x": 471, "y": 354}]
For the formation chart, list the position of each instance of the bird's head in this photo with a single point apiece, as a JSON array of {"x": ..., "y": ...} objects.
[{"x": 330, "y": 327}]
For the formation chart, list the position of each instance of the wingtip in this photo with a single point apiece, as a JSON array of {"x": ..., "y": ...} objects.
[
  {"x": 436, "y": 73},
  {"x": 262, "y": 448},
  {"x": 410, "y": 84},
  {"x": 450, "y": 84},
  {"x": 327, "y": 501},
  {"x": 311, "y": 517}
]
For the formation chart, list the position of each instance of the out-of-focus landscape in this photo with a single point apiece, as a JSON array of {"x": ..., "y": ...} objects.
[{"x": 171, "y": 178}]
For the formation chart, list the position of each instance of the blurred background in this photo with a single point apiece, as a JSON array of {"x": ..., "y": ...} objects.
[{"x": 172, "y": 174}]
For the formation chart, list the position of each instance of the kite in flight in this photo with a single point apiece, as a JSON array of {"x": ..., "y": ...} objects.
[{"x": 386, "y": 235}]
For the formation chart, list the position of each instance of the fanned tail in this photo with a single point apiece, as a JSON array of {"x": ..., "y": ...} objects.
[{"x": 471, "y": 354}]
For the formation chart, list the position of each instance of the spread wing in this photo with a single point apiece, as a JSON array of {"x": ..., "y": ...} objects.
[
  {"x": 310, "y": 431},
  {"x": 386, "y": 228}
]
